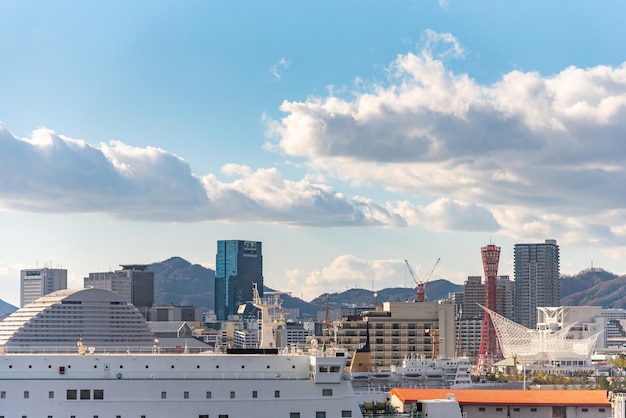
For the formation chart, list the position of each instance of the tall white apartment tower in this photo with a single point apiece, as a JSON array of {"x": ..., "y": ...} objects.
[
  {"x": 537, "y": 280},
  {"x": 35, "y": 283}
]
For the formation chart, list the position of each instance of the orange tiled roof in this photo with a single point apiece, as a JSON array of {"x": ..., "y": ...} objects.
[{"x": 508, "y": 397}]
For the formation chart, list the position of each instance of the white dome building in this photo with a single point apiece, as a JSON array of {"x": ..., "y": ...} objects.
[{"x": 99, "y": 318}]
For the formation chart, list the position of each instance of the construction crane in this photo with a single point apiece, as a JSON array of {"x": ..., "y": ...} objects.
[{"x": 421, "y": 294}]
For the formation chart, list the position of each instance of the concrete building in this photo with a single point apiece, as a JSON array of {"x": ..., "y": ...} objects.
[
  {"x": 497, "y": 403},
  {"x": 102, "y": 319},
  {"x": 399, "y": 329},
  {"x": 537, "y": 280},
  {"x": 469, "y": 331},
  {"x": 505, "y": 291},
  {"x": 238, "y": 264},
  {"x": 35, "y": 283},
  {"x": 134, "y": 283},
  {"x": 294, "y": 334},
  {"x": 160, "y": 313},
  {"x": 473, "y": 295}
]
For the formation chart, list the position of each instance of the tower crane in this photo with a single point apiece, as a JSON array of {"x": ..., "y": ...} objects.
[{"x": 421, "y": 294}]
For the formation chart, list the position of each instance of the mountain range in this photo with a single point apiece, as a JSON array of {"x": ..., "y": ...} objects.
[{"x": 179, "y": 282}]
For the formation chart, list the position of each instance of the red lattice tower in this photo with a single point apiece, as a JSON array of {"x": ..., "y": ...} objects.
[{"x": 490, "y": 351}]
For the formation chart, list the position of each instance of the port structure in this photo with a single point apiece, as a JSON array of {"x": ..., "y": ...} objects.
[
  {"x": 490, "y": 350},
  {"x": 421, "y": 292}
]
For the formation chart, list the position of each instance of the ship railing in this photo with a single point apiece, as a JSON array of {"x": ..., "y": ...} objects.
[
  {"x": 104, "y": 350},
  {"x": 125, "y": 374}
]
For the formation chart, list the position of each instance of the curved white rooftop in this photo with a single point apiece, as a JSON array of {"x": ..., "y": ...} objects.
[
  {"x": 535, "y": 345},
  {"x": 100, "y": 317}
]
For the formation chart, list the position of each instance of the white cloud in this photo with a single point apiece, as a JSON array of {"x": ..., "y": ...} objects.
[
  {"x": 551, "y": 145},
  {"x": 55, "y": 174},
  {"x": 441, "y": 45},
  {"x": 276, "y": 69},
  {"x": 348, "y": 271},
  {"x": 9, "y": 276}
]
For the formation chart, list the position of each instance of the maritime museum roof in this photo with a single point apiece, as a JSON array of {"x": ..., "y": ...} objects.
[
  {"x": 540, "y": 345},
  {"x": 100, "y": 318},
  {"x": 508, "y": 397}
]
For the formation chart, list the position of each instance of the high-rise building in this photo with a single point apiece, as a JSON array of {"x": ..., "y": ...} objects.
[
  {"x": 134, "y": 283},
  {"x": 238, "y": 264},
  {"x": 474, "y": 294},
  {"x": 537, "y": 280},
  {"x": 505, "y": 291},
  {"x": 35, "y": 283}
]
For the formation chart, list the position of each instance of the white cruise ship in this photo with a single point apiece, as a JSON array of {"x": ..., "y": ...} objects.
[
  {"x": 93, "y": 382},
  {"x": 212, "y": 385}
]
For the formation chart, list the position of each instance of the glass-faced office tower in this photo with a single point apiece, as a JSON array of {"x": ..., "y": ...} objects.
[{"x": 238, "y": 264}]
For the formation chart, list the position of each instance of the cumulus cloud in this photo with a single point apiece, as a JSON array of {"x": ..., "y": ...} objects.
[
  {"x": 348, "y": 271},
  {"x": 550, "y": 144},
  {"x": 56, "y": 174}
]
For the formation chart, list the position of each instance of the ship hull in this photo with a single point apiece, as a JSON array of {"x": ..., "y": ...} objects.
[{"x": 166, "y": 386}]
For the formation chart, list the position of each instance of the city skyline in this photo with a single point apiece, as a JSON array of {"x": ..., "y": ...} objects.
[{"x": 131, "y": 133}]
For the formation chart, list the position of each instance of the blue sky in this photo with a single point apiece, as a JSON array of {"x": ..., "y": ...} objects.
[{"x": 347, "y": 136}]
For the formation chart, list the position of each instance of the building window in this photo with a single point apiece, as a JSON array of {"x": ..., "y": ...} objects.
[
  {"x": 255, "y": 394},
  {"x": 294, "y": 415},
  {"x": 320, "y": 414},
  {"x": 51, "y": 395},
  {"x": 601, "y": 410},
  {"x": 163, "y": 395},
  {"x": 3, "y": 395},
  {"x": 533, "y": 409},
  {"x": 346, "y": 414},
  {"x": 232, "y": 394},
  {"x": 203, "y": 416},
  {"x": 585, "y": 409},
  {"x": 515, "y": 409},
  {"x": 85, "y": 394},
  {"x": 72, "y": 394},
  {"x": 26, "y": 394},
  {"x": 481, "y": 409},
  {"x": 223, "y": 416},
  {"x": 186, "y": 395},
  {"x": 98, "y": 394},
  {"x": 208, "y": 395},
  {"x": 499, "y": 409},
  {"x": 327, "y": 392},
  {"x": 277, "y": 393}
]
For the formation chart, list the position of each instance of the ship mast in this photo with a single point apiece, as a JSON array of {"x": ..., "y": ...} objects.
[{"x": 267, "y": 322}]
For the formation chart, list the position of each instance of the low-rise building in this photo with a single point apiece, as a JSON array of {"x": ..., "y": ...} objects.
[{"x": 496, "y": 403}]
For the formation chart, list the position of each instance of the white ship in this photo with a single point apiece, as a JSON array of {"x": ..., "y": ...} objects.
[
  {"x": 94, "y": 383},
  {"x": 371, "y": 385},
  {"x": 212, "y": 385}
]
